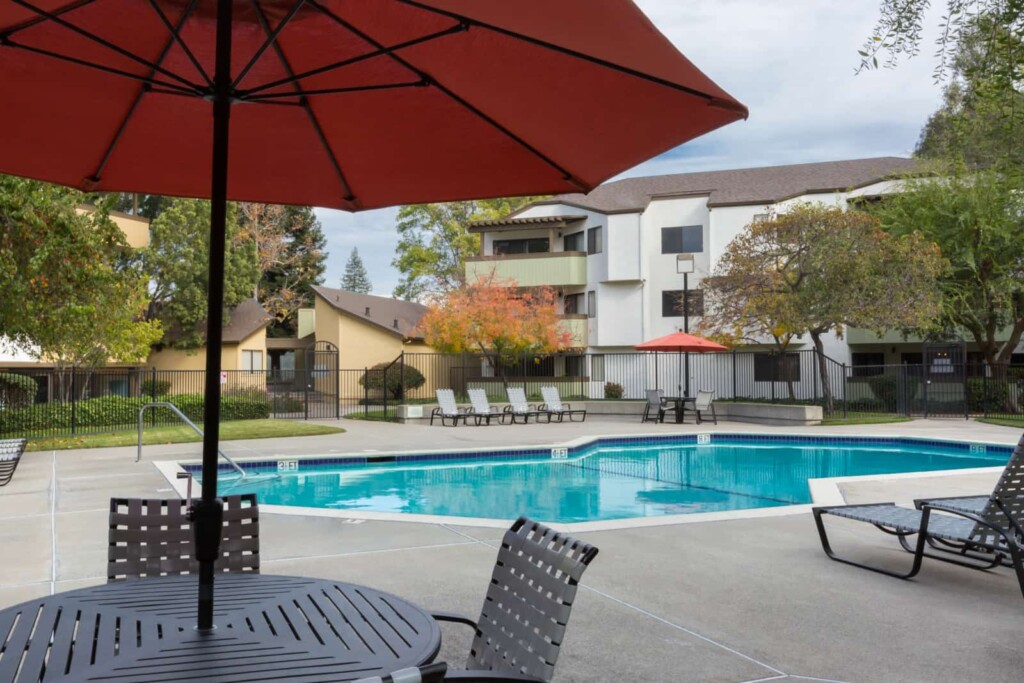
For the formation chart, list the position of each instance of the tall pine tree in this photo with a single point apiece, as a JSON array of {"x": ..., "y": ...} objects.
[
  {"x": 287, "y": 287},
  {"x": 355, "y": 278}
]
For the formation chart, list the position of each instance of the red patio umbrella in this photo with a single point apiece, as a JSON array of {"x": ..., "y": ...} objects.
[
  {"x": 352, "y": 104},
  {"x": 682, "y": 342}
]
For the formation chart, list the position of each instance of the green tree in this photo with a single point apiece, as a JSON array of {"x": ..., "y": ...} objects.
[
  {"x": 72, "y": 292},
  {"x": 176, "y": 261},
  {"x": 289, "y": 250},
  {"x": 977, "y": 219},
  {"x": 355, "y": 278},
  {"x": 434, "y": 241},
  {"x": 817, "y": 269}
]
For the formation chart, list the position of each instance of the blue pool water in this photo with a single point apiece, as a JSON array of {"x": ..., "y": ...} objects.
[{"x": 604, "y": 480}]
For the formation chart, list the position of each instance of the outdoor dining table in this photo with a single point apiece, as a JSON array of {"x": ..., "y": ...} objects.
[
  {"x": 681, "y": 403},
  {"x": 267, "y": 628}
]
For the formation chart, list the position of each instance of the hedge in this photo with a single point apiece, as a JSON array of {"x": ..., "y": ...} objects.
[
  {"x": 118, "y": 411},
  {"x": 16, "y": 391}
]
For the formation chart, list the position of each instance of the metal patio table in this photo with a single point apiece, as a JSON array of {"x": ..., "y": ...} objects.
[
  {"x": 268, "y": 628},
  {"x": 681, "y": 403}
]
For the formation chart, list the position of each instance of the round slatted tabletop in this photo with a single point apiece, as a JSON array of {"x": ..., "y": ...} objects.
[{"x": 269, "y": 628}]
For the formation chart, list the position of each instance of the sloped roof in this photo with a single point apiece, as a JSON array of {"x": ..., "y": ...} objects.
[
  {"x": 520, "y": 223},
  {"x": 740, "y": 186},
  {"x": 394, "y": 315},
  {"x": 244, "y": 320}
]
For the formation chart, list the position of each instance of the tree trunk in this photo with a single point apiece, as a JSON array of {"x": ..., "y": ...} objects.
[{"x": 819, "y": 354}]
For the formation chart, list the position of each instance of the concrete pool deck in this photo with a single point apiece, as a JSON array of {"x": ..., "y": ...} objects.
[{"x": 730, "y": 601}]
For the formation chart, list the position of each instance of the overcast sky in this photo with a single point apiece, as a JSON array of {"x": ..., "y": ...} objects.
[{"x": 792, "y": 63}]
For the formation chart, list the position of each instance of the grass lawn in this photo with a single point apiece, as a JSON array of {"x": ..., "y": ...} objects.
[
  {"x": 854, "y": 418},
  {"x": 1005, "y": 421},
  {"x": 239, "y": 429}
]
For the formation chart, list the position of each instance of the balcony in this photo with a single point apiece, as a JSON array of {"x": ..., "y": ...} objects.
[
  {"x": 576, "y": 326},
  {"x": 556, "y": 269}
]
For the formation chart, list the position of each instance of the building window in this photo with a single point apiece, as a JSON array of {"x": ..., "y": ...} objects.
[
  {"x": 573, "y": 304},
  {"x": 536, "y": 245},
  {"x": 252, "y": 361},
  {"x": 867, "y": 364},
  {"x": 574, "y": 242},
  {"x": 672, "y": 303},
  {"x": 597, "y": 368},
  {"x": 575, "y": 366},
  {"x": 772, "y": 367},
  {"x": 688, "y": 239},
  {"x": 594, "y": 243},
  {"x": 591, "y": 304},
  {"x": 760, "y": 218}
]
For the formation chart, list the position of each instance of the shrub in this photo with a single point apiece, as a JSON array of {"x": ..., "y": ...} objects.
[
  {"x": 893, "y": 390},
  {"x": 16, "y": 391},
  {"x": 987, "y": 394},
  {"x": 613, "y": 390},
  {"x": 156, "y": 387},
  {"x": 389, "y": 377}
]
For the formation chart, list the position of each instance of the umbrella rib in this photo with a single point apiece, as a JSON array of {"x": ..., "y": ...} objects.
[
  {"x": 176, "y": 37},
  {"x": 333, "y": 91},
  {"x": 70, "y": 7},
  {"x": 458, "y": 28},
  {"x": 271, "y": 38},
  {"x": 566, "y": 175},
  {"x": 145, "y": 87},
  {"x": 105, "y": 43},
  {"x": 304, "y": 103},
  {"x": 7, "y": 42},
  {"x": 712, "y": 100}
]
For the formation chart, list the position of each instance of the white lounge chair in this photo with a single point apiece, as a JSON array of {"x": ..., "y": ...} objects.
[
  {"x": 553, "y": 406},
  {"x": 446, "y": 408},
  {"x": 518, "y": 407},
  {"x": 481, "y": 409}
]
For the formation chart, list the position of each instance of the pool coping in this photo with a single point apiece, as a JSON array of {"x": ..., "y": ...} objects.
[{"x": 824, "y": 491}]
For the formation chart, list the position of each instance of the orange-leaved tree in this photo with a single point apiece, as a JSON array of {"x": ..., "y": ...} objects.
[{"x": 496, "y": 319}]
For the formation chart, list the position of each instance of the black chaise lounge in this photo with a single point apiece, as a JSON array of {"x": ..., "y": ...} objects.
[
  {"x": 11, "y": 451},
  {"x": 526, "y": 609},
  {"x": 153, "y": 537},
  {"x": 979, "y": 539}
]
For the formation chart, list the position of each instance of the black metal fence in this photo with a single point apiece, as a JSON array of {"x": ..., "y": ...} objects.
[{"x": 47, "y": 402}]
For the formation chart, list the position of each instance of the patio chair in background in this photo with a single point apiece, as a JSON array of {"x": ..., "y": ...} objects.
[
  {"x": 481, "y": 409},
  {"x": 154, "y": 537},
  {"x": 553, "y": 405},
  {"x": 982, "y": 540},
  {"x": 446, "y": 408},
  {"x": 657, "y": 404},
  {"x": 11, "y": 451},
  {"x": 526, "y": 609},
  {"x": 518, "y": 407},
  {"x": 428, "y": 673},
  {"x": 704, "y": 403}
]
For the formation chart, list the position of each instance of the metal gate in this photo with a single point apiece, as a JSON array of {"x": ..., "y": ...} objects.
[
  {"x": 943, "y": 388},
  {"x": 310, "y": 391}
]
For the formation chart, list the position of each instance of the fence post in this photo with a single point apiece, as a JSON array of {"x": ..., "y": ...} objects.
[
  {"x": 815, "y": 368},
  {"x": 984, "y": 389},
  {"x": 73, "y": 401},
  {"x": 967, "y": 403},
  {"x": 734, "y": 374},
  {"x": 846, "y": 381},
  {"x": 366, "y": 392},
  {"x": 305, "y": 391},
  {"x": 657, "y": 377},
  {"x": 401, "y": 375}
]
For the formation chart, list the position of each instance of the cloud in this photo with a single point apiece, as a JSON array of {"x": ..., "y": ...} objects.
[{"x": 792, "y": 63}]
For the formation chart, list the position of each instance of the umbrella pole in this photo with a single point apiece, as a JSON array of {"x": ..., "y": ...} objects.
[{"x": 208, "y": 512}]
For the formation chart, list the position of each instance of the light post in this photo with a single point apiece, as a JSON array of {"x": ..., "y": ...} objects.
[{"x": 684, "y": 265}]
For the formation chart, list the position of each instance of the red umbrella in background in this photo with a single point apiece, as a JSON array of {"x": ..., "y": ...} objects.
[
  {"x": 682, "y": 342},
  {"x": 352, "y": 104}
]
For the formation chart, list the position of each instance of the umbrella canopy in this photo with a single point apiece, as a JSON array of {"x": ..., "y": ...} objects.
[
  {"x": 680, "y": 342},
  {"x": 352, "y": 104}
]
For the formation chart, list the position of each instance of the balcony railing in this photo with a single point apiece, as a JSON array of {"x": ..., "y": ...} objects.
[{"x": 557, "y": 269}]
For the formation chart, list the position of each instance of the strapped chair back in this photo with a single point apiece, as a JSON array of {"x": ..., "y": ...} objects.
[
  {"x": 528, "y": 602},
  {"x": 551, "y": 398},
  {"x": 153, "y": 537},
  {"x": 446, "y": 401},
  {"x": 654, "y": 398},
  {"x": 478, "y": 398},
  {"x": 1005, "y": 507},
  {"x": 704, "y": 398},
  {"x": 11, "y": 451},
  {"x": 517, "y": 399}
]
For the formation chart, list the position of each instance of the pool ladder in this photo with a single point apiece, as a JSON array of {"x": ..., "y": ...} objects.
[{"x": 174, "y": 409}]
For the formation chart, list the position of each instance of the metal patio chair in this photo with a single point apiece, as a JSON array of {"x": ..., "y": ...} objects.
[
  {"x": 977, "y": 540},
  {"x": 446, "y": 408},
  {"x": 481, "y": 409},
  {"x": 554, "y": 407},
  {"x": 428, "y": 673},
  {"x": 153, "y": 537},
  {"x": 705, "y": 401},
  {"x": 526, "y": 609},
  {"x": 11, "y": 451},
  {"x": 657, "y": 404},
  {"x": 518, "y": 407}
]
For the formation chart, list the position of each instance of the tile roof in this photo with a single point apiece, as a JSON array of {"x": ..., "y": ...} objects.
[
  {"x": 244, "y": 320},
  {"x": 394, "y": 315},
  {"x": 764, "y": 185}
]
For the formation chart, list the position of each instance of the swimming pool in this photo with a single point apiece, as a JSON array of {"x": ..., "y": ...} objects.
[{"x": 606, "y": 479}]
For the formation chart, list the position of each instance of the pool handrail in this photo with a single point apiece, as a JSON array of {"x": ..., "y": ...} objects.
[{"x": 174, "y": 409}]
